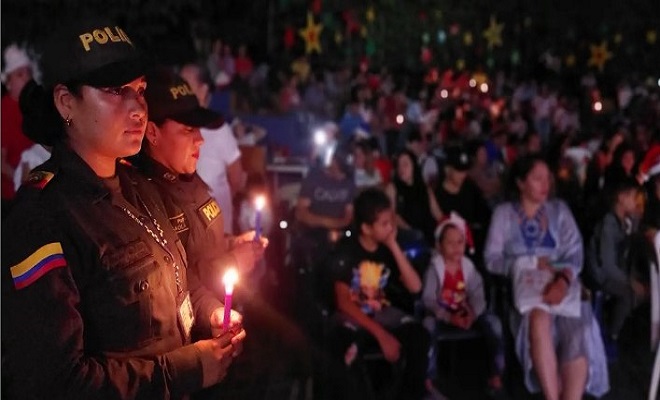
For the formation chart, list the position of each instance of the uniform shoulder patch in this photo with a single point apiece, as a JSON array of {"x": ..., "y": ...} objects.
[
  {"x": 39, "y": 179},
  {"x": 209, "y": 211},
  {"x": 37, "y": 264}
]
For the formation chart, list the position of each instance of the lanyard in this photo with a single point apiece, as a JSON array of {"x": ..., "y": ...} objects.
[{"x": 159, "y": 238}]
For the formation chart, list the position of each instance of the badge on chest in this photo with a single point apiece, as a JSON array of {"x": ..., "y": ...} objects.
[{"x": 186, "y": 314}]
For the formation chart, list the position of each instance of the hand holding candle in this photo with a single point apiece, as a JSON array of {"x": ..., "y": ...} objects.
[
  {"x": 229, "y": 279},
  {"x": 259, "y": 203}
]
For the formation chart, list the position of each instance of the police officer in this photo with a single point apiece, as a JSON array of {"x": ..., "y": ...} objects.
[
  {"x": 169, "y": 158},
  {"x": 95, "y": 300}
]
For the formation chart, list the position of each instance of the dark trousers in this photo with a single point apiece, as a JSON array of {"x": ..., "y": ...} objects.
[{"x": 410, "y": 369}]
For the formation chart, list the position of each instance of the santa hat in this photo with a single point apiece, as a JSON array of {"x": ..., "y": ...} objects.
[
  {"x": 650, "y": 165},
  {"x": 15, "y": 58},
  {"x": 454, "y": 219}
]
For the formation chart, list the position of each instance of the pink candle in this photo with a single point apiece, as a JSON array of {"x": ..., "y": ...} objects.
[{"x": 229, "y": 280}]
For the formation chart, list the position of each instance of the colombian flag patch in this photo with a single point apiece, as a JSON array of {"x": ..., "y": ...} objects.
[{"x": 47, "y": 258}]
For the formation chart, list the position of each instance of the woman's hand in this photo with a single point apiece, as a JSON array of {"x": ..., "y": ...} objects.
[
  {"x": 555, "y": 292},
  {"x": 216, "y": 320}
]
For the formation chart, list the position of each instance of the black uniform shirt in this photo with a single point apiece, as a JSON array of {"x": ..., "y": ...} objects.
[
  {"x": 197, "y": 218},
  {"x": 90, "y": 302}
]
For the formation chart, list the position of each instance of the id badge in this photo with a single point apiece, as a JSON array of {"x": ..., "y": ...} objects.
[{"x": 186, "y": 314}]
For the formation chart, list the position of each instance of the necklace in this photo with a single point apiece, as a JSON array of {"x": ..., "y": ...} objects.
[{"x": 160, "y": 239}]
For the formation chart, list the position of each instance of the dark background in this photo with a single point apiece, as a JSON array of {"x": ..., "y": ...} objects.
[{"x": 175, "y": 31}]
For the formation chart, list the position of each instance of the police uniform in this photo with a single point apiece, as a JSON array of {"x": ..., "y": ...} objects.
[
  {"x": 196, "y": 217},
  {"x": 95, "y": 302}
]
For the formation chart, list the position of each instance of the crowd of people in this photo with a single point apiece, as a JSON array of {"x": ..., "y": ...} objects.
[{"x": 534, "y": 186}]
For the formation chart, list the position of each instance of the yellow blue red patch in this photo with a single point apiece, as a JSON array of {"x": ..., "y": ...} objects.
[{"x": 47, "y": 258}]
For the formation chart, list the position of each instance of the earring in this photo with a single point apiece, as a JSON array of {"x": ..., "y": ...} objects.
[{"x": 68, "y": 121}]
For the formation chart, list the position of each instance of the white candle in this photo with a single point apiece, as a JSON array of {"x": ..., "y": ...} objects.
[{"x": 259, "y": 203}]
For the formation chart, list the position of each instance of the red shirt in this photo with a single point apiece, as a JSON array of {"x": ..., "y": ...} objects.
[
  {"x": 243, "y": 66},
  {"x": 14, "y": 142},
  {"x": 452, "y": 294}
]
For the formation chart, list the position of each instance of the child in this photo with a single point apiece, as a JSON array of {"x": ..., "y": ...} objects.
[
  {"x": 609, "y": 248},
  {"x": 453, "y": 296},
  {"x": 373, "y": 280}
]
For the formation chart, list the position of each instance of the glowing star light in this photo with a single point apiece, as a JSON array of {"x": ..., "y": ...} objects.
[
  {"x": 311, "y": 34},
  {"x": 599, "y": 55},
  {"x": 493, "y": 34}
]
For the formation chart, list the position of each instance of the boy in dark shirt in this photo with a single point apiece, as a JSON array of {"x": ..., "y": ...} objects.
[{"x": 372, "y": 280}]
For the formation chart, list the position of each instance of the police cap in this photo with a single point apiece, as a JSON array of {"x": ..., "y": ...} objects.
[
  {"x": 170, "y": 97},
  {"x": 90, "y": 51}
]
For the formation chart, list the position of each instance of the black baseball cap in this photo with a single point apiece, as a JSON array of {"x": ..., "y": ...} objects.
[
  {"x": 170, "y": 97},
  {"x": 91, "y": 51},
  {"x": 457, "y": 157}
]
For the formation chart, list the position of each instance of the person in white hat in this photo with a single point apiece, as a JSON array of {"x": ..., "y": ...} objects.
[{"x": 16, "y": 73}]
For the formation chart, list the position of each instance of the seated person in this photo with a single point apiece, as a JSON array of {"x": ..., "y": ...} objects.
[
  {"x": 559, "y": 354},
  {"x": 456, "y": 192},
  {"x": 324, "y": 207},
  {"x": 366, "y": 173},
  {"x": 417, "y": 211},
  {"x": 372, "y": 278},
  {"x": 608, "y": 256},
  {"x": 454, "y": 296}
]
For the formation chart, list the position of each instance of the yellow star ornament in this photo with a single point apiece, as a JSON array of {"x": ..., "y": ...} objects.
[
  {"x": 599, "y": 56},
  {"x": 651, "y": 36},
  {"x": 371, "y": 14},
  {"x": 493, "y": 34},
  {"x": 311, "y": 34}
]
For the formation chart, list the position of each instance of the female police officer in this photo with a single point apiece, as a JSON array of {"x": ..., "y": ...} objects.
[
  {"x": 95, "y": 301},
  {"x": 169, "y": 158}
]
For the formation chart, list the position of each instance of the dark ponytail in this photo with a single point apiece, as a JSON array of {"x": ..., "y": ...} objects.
[{"x": 41, "y": 121}]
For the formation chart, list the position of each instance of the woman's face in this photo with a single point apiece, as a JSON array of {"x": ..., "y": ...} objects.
[
  {"x": 628, "y": 161},
  {"x": 482, "y": 156},
  {"x": 109, "y": 122},
  {"x": 177, "y": 146},
  {"x": 404, "y": 168},
  {"x": 535, "y": 187}
]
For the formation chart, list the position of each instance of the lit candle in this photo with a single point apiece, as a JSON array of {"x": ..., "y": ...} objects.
[
  {"x": 229, "y": 280},
  {"x": 259, "y": 203}
]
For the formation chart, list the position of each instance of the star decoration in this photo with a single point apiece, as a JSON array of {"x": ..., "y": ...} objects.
[
  {"x": 570, "y": 60},
  {"x": 515, "y": 57},
  {"x": 493, "y": 34},
  {"x": 311, "y": 34},
  {"x": 599, "y": 55},
  {"x": 371, "y": 14},
  {"x": 467, "y": 38},
  {"x": 651, "y": 36},
  {"x": 339, "y": 37}
]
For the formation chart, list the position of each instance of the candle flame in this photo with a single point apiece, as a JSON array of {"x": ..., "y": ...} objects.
[
  {"x": 259, "y": 202},
  {"x": 229, "y": 279}
]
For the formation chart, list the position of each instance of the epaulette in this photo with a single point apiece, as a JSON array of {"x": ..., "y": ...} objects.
[{"x": 39, "y": 179}]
